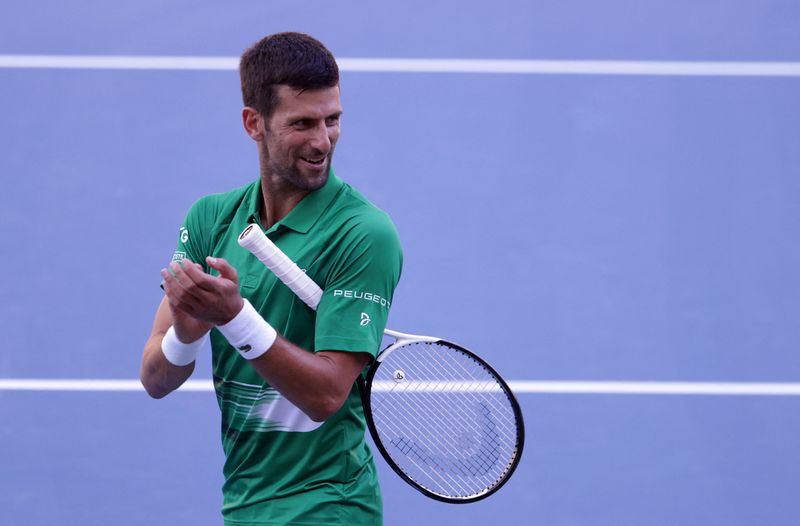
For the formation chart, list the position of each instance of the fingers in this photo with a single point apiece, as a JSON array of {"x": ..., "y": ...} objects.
[
  {"x": 224, "y": 268},
  {"x": 182, "y": 292},
  {"x": 184, "y": 273},
  {"x": 209, "y": 298},
  {"x": 193, "y": 274},
  {"x": 178, "y": 283}
]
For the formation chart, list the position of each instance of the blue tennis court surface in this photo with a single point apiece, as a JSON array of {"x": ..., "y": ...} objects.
[{"x": 567, "y": 227}]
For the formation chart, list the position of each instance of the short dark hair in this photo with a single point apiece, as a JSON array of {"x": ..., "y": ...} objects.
[{"x": 293, "y": 59}]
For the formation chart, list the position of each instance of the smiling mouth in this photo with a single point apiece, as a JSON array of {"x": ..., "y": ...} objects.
[{"x": 316, "y": 162}]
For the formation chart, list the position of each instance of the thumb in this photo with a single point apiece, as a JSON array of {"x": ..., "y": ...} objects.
[{"x": 224, "y": 268}]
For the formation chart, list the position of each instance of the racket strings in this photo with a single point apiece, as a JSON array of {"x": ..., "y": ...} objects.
[
  {"x": 479, "y": 423},
  {"x": 446, "y": 421},
  {"x": 472, "y": 465},
  {"x": 486, "y": 425},
  {"x": 442, "y": 437},
  {"x": 449, "y": 469},
  {"x": 478, "y": 385},
  {"x": 472, "y": 390}
]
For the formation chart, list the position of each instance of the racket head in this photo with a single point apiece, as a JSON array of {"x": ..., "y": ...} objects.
[{"x": 444, "y": 420}]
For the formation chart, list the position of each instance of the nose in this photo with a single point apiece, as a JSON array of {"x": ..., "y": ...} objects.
[{"x": 321, "y": 139}]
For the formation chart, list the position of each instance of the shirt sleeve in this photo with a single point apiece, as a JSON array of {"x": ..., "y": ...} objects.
[
  {"x": 354, "y": 307},
  {"x": 192, "y": 244}
]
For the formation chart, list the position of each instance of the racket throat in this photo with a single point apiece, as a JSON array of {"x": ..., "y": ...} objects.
[{"x": 401, "y": 339}]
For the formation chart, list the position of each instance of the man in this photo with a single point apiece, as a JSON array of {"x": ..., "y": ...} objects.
[{"x": 292, "y": 422}]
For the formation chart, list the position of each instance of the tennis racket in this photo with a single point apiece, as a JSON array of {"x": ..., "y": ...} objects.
[{"x": 442, "y": 418}]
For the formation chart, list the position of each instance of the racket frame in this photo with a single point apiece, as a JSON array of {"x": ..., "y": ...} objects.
[
  {"x": 365, "y": 388},
  {"x": 402, "y": 339}
]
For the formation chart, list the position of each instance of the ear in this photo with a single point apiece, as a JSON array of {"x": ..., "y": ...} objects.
[{"x": 253, "y": 123}]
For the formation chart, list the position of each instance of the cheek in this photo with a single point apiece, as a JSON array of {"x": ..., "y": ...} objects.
[{"x": 279, "y": 147}]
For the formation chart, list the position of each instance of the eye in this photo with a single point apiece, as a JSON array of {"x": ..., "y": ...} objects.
[
  {"x": 332, "y": 120},
  {"x": 301, "y": 124}
]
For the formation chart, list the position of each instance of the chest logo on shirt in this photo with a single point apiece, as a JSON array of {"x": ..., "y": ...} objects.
[{"x": 365, "y": 319}]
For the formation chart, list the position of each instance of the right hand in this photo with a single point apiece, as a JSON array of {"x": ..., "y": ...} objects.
[
  {"x": 211, "y": 299},
  {"x": 187, "y": 328}
]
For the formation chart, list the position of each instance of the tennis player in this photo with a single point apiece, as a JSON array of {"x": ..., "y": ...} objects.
[{"x": 292, "y": 422}]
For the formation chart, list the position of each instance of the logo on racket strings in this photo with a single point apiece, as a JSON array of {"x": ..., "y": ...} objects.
[{"x": 365, "y": 319}]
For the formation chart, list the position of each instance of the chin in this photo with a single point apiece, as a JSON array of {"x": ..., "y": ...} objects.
[
  {"x": 314, "y": 181},
  {"x": 310, "y": 183},
  {"x": 303, "y": 179}
]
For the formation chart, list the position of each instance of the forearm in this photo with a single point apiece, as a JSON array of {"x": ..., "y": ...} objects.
[
  {"x": 160, "y": 377},
  {"x": 317, "y": 383}
]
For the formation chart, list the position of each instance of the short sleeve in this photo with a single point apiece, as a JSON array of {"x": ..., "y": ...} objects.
[
  {"x": 192, "y": 244},
  {"x": 358, "y": 294}
]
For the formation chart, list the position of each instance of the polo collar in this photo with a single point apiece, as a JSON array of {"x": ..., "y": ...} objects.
[{"x": 303, "y": 216}]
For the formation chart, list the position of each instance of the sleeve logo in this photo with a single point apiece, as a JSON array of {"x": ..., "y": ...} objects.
[
  {"x": 366, "y": 296},
  {"x": 365, "y": 319}
]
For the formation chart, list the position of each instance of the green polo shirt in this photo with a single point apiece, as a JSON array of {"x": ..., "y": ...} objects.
[{"x": 282, "y": 468}]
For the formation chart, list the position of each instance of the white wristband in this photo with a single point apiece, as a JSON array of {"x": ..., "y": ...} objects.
[
  {"x": 249, "y": 333},
  {"x": 178, "y": 353}
]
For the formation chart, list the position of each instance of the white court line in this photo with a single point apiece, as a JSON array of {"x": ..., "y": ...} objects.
[
  {"x": 65, "y": 384},
  {"x": 518, "y": 386},
  {"x": 419, "y": 65}
]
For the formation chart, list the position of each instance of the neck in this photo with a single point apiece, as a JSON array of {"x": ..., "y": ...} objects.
[
  {"x": 278, "y": 196},
  {"x": 278, "y": 199}
]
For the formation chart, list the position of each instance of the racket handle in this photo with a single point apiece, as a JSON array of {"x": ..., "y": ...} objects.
[{"x": 254, "y": 240}]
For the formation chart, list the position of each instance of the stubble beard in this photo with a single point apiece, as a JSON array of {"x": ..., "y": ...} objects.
[{"x": 290, "y": 177}]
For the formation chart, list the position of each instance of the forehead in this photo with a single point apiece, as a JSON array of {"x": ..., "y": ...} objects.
[{"x": 317, "y": 103}]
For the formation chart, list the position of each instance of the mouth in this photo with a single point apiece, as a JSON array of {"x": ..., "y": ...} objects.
[{"x": 314, "y": 161}]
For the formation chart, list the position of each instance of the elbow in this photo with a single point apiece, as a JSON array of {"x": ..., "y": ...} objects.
[
  {"x": 320, "y": 416},
  {"x": 159, "y": 377},
  {"x": 154, "y": 391},
  {"x": 152, "y": 380},
  {"x": 324, "y": 408},
  {"x": 152, "y": 387}
]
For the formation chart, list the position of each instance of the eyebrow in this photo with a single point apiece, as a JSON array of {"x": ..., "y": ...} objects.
[{"x": 303, "y": 116}]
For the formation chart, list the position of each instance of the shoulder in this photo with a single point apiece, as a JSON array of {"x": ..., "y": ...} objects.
[
  {"x": 359, "y": 218},
  {"x": 214, "y": 207}
]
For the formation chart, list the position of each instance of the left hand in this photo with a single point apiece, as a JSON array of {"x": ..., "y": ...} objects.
[{"x": 214, "y": 299}]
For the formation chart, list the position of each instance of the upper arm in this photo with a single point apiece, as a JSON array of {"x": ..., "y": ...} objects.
[
  {"x": 359, "y": 289},
  {"x": 192, "y": 237}
]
